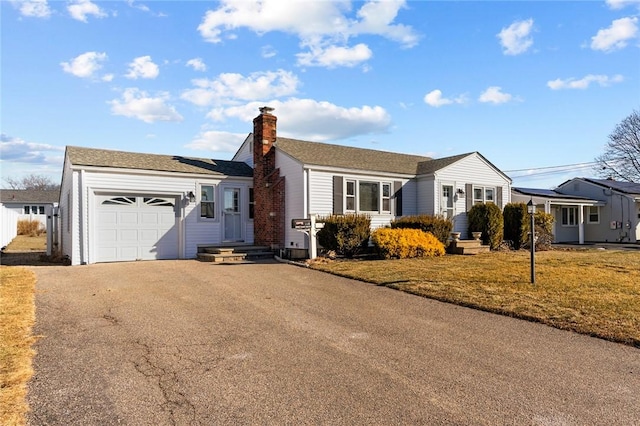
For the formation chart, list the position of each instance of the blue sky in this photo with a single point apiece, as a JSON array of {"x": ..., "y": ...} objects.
[{"x": 531, "y": 85}]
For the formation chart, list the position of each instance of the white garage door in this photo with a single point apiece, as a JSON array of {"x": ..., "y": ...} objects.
[{"x": 136, "y": 228}]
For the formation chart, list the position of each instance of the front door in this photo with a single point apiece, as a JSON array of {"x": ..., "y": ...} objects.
[
  {"x": 447, "y": 201},
  {"x": 232, "y": 215}
]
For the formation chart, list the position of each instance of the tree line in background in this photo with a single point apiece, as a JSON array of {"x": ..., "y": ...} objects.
[{"x": 32, "y": 181}]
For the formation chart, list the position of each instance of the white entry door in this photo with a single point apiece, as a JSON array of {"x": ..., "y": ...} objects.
[
  {"x": 135, "y": 227},
  {"x": 232, "y": 214},
  {"x": 447, "y": 201}
]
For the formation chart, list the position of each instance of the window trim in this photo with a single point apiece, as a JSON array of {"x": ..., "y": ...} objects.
[
  {"x": 597, "y": 214},
  {"x": 355, "y": 196},
  {"x": 214, "y": 188},
  {"x": 484, "y": 199},
  {"x": 569, "y": 223}
]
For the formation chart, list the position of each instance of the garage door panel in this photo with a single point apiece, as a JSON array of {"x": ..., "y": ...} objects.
[
  {"x": 130, "y": 235},
  {"x": 128, "y": 218},
  {"x": 136, "y": 228}
]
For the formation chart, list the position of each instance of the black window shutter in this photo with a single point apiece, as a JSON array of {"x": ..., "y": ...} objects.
[
  {"x": 499, "y": 197},
  {"x": 338, "y": 195},
  {"x": 468, "y": 192},
  {"x": 397, "y": 193}
]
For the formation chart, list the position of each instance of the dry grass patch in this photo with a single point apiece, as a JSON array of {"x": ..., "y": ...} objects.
[
  {"x": 28, "y": 243},
  {"x": 593, "y": 292},
  {"x": 17, "y": 316}
]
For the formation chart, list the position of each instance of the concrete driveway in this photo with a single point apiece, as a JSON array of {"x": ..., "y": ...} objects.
[{"x": 190, "y": 343}]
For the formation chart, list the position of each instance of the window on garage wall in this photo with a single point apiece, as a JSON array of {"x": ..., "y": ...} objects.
[{"x": 207, "y": 201}]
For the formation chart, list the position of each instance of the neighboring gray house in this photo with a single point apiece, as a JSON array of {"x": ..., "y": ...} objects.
[
  {"x": 118, "y": 206},
  {"x": 23, "y": 204},
  {"x": 589, "y": 210},
  {"x": 618, "y": 220},
  {"x": 568, "y": 211}
]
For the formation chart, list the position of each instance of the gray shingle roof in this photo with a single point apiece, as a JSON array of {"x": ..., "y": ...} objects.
[
  {"x": 167, "y": 163},
  {"x": 323, "y": 154},
  {"x": 23, "y": 196},
  {"x": 431, "y": 166},
  {"x": 625, "y": 187}
]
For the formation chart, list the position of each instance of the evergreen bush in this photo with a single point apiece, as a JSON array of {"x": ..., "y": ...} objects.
[
  {"x": 487, "y": 218},
  {"x": 347, "y": 235}
]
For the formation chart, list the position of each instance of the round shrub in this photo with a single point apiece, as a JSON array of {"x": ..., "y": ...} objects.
[
  {"x": 405, "y": 243},
  {"x": 347, "y": 235}
]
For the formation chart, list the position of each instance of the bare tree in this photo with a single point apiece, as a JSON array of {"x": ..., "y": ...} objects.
[
  {"x": 621, "y": 158},
  {"x": 32, "y": 181}
]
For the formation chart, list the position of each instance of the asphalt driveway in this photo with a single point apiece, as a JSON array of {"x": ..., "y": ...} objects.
[{"x": 191, "y": 343}]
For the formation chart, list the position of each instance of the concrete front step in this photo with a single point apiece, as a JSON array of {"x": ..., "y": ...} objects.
[
  {"x": 467, "y": 247},
  {"x": 236, "y": 253}
]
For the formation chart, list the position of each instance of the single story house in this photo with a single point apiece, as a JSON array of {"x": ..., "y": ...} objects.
[
  {"x": 118, "y": 206},
  {"x": 589, "y": 210},
  {"x": 23, "y": 204}
]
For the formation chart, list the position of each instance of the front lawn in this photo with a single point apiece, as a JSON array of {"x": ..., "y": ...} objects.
[{"x": 595, "y": 292}]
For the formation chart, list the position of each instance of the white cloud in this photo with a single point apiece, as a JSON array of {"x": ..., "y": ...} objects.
[
  {"x": 197, "y": 64},
  {"x": 324, "y": 27},
  {"x": 584, "y": 82},
  {"x": 616, "y": 36},
  {"x": 18, "y": 150},
  {"x": 212, "y": 140},
  {"x": 268, "y": 51},
  {"x": 138, "y": 104},
  {"x": 334, "y": 56},
  {"x": 620, "y": 4},
  {"x": 435, "y": 99},
  {"x": 85, "y": 65},
  {"x": 142, "y": 67},
  {"x": 494, "y": 95},
  {"x": 33, "y": 8},
  {"x": 317, "y": 121},
  {"x": 515, "y": 39},
  {"x": 80, "y": 9},
  {"x": 229, "y": 87}
]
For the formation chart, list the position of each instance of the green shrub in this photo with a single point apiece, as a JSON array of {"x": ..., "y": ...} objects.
[
  {"x": 487, "y": 218},
  {"x": 347, "y": 235},
  {"x": 439, "y": 226},
  {"x": 516, "y": 226},
  {"x": 30, "y": 228},
  {"x": 406, "y": 243},
  {"x": 544, "y": 231}
]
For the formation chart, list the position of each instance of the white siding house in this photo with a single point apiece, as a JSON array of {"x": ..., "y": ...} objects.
[
  {"x": 323, "y": 179},
  {"x": 23, "y": 204},
  {"x": 120, "y": 206}
]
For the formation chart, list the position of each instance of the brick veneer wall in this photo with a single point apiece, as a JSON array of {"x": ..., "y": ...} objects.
[{"x": 268, "y": 185}]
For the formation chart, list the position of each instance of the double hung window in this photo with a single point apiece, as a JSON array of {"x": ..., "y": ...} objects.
[{"x": 207, "y": 202}]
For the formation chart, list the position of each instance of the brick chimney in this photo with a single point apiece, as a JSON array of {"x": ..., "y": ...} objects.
[{"x": 268, "y": 185}]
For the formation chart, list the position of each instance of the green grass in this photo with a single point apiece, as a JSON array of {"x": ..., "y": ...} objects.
[{"x": 594, "y": 292}]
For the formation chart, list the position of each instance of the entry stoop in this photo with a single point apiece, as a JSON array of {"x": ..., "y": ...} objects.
[
  {"x": 220, "y": 254},
  {"x": 467, "y": 247}
]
